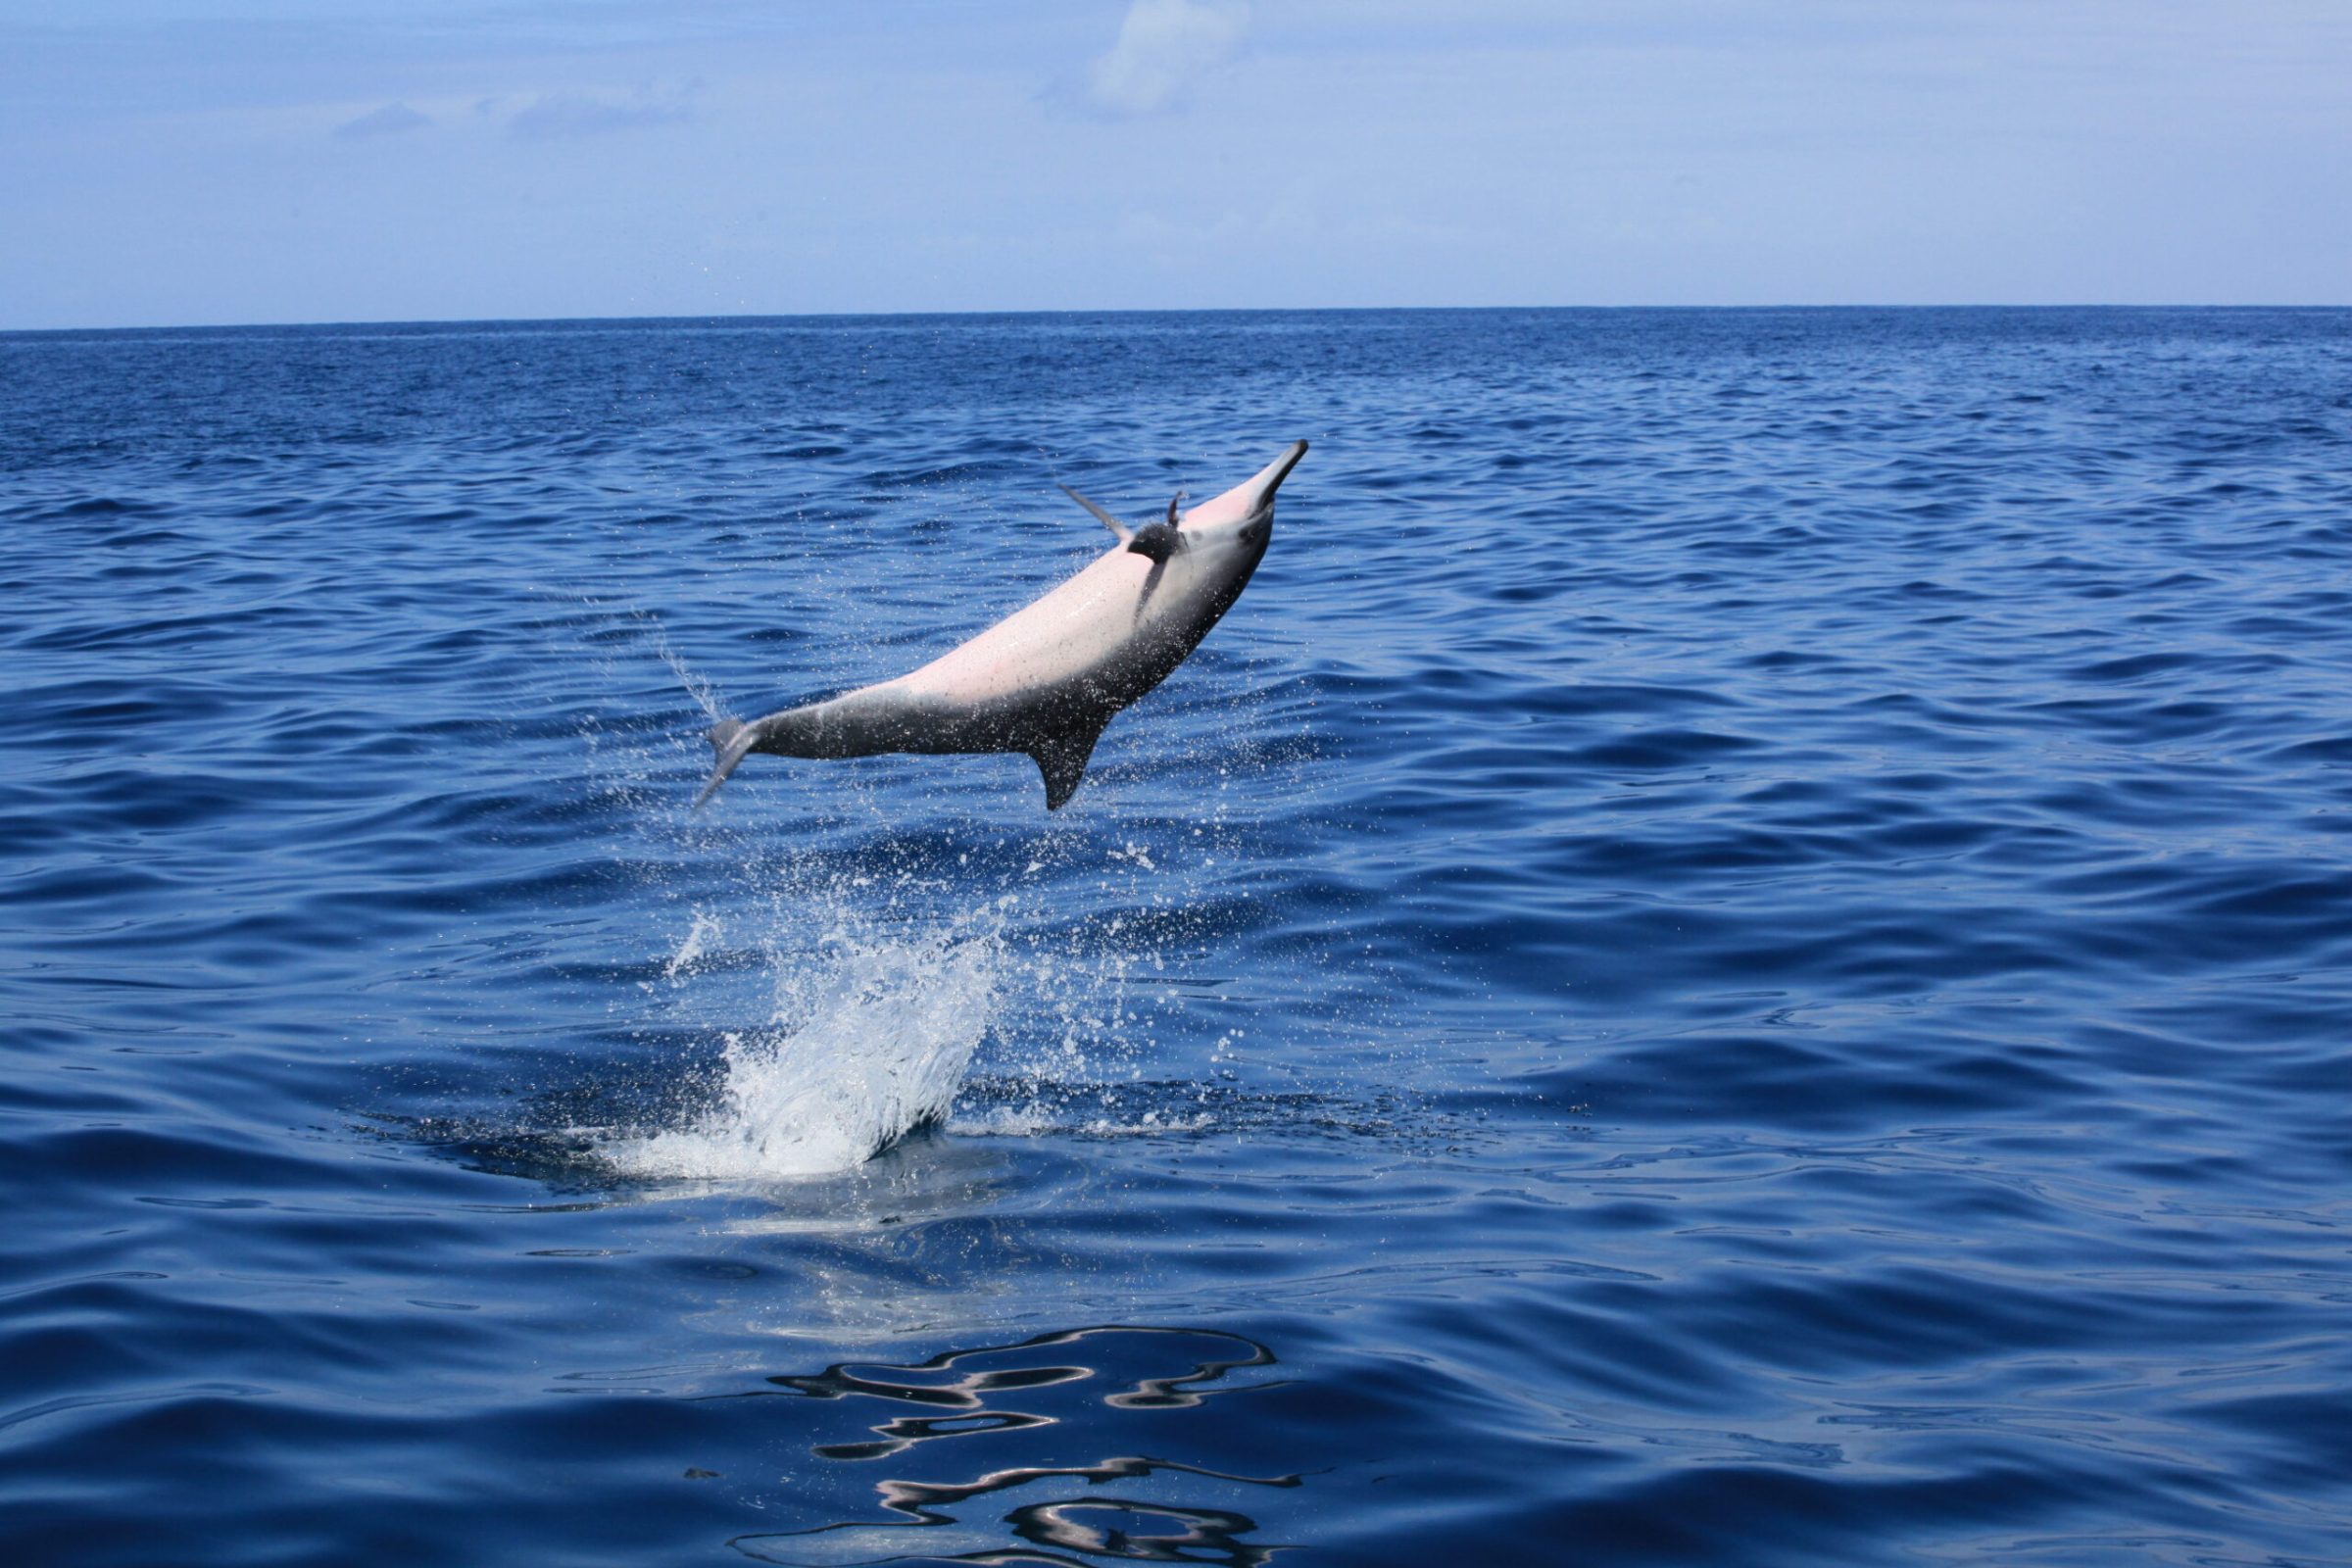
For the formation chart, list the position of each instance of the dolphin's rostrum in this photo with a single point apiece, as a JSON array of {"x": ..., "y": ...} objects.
[{"x": 1046, "y": 678}]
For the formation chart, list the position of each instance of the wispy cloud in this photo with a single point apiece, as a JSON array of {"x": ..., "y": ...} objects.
[
  {"x": 1163, "y": 47},
  {"x": 393, "y": 120},
  {"x": 579, "y": 113}
]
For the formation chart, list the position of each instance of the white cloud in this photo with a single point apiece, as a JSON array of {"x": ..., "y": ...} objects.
[
  {"x": 1163, "y": 47},
  {"x": 390, "y": 121}
]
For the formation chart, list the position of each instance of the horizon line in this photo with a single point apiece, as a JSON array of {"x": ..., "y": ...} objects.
[{"x": 752, "y": 317}]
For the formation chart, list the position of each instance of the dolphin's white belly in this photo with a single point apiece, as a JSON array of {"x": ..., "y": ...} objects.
[{"x": 1085, "y": 624}]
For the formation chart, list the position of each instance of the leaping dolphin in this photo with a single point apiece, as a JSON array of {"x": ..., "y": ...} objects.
[{"x": 1048, "y": 678}]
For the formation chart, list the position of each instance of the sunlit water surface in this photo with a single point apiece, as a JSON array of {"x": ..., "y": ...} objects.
[{"x": 1740, "y": 952}]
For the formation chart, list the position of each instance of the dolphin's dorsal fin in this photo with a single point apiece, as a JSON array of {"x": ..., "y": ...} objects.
[
  {"x": 1061, "y": 761},
  {"x": 1174, "y": 502},
  {"x": 1125, "y": 533}
]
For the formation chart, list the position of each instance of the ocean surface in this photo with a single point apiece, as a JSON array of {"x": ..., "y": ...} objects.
[{"x": 1741, "y": 953}]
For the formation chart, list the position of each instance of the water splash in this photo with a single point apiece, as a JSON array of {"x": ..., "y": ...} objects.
[
  {"x": 868, "y": 1042},
  {"x": 700, "y": 689},
  {"x": 699, "y": 937}
]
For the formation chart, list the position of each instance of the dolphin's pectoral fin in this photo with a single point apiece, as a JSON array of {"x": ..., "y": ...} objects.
[
  {"x": 1125, "y": 533},
  {"x": 1061, "y": 760},
  {"x": 1156, "y": 542},
  {"x": 1143, "y": 600}
]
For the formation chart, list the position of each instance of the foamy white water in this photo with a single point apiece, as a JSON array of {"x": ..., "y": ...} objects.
[{"x": 868, "y": 1041}]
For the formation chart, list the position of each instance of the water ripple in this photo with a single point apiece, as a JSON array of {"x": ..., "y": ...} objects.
[{"x": 1737, "y": 954}]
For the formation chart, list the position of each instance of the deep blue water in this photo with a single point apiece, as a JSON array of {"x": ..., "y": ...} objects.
[{"x": 1739, "y": 952}]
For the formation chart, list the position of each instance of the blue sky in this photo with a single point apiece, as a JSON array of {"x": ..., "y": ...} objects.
[{"x": 193, "y": 162}]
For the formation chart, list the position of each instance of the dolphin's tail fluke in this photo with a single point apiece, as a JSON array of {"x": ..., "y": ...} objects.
[{"x": 732, "y": 740}]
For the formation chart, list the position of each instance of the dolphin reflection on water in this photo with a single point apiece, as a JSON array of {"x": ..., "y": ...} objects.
[
  {"x": 1048, "y": 678},
  {"x": 970, "y": 1410}
]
